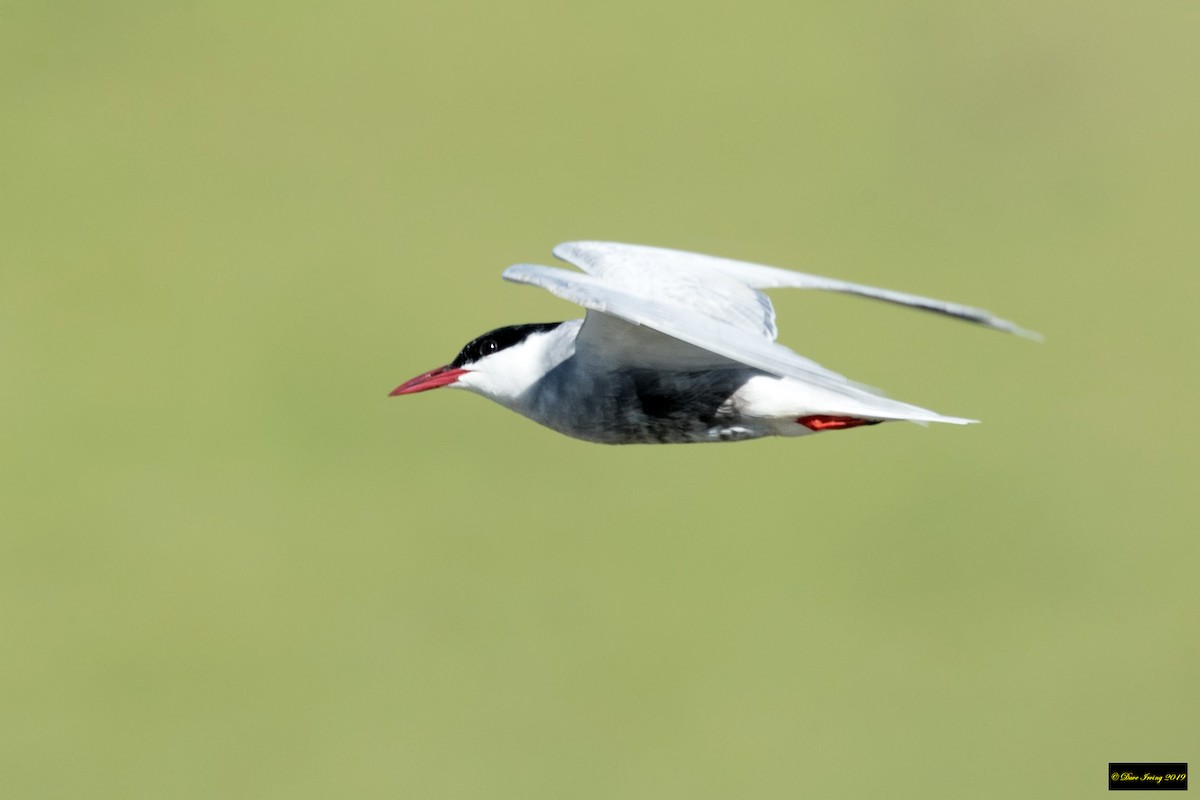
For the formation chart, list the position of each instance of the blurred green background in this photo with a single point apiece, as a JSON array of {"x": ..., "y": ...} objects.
[{"x": 232, "y": 567}]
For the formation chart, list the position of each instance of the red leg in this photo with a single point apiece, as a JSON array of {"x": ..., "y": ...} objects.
[{"x": 827, "y": 422}]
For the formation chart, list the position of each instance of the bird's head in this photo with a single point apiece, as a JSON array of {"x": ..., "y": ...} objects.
[{"x": 501, "y": 364}]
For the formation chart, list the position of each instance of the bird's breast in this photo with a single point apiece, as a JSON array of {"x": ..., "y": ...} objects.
[{"x": 632, "y": 406}]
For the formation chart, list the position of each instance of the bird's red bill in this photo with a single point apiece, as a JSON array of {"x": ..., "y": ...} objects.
[
  {"x": 826, "y": 422},
  {"x": 442, "y": 376}
]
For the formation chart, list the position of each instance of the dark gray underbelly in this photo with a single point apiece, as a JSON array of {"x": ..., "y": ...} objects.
[{"x": 638, "y": 406}]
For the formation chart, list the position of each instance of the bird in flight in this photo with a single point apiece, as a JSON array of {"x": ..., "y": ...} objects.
[{"x": 676, "y": 347}]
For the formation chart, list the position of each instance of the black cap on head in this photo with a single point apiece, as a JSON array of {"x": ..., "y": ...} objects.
[{"x": 499, "y": 339}]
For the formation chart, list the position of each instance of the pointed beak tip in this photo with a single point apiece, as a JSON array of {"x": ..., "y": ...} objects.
[{"x": 435, "y": 378}]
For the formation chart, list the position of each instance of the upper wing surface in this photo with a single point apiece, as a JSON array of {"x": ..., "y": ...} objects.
[
  {"x": 629, "y": 264},
  {"x": 700, "y": 331},
  {"x": 674, "y": 277}
]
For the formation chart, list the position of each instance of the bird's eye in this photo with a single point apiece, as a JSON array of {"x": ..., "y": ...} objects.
[{"x": 488, "y": 346}]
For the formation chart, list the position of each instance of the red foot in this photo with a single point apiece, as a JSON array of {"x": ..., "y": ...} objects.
[{"x": 825, "y": 422}]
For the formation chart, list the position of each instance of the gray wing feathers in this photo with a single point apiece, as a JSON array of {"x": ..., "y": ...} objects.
[
  {"x": 679, "y": 321},
  {"x": 724, "y": 339},
  {"x": 615, "y": 260},
  {"x": 686, "y": 278}
]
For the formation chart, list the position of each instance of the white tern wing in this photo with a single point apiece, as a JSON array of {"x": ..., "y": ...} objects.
[
  {"x": 671, "y": 312},
  {"x": 628, "y": 265},
  {"x": 687, "y": 279}
]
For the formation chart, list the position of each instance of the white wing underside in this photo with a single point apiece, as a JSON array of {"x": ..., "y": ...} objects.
[{"x": 654, "y": 307}]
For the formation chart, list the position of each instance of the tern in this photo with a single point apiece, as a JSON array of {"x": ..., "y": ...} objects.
[{"x": 675, "y": 347}]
